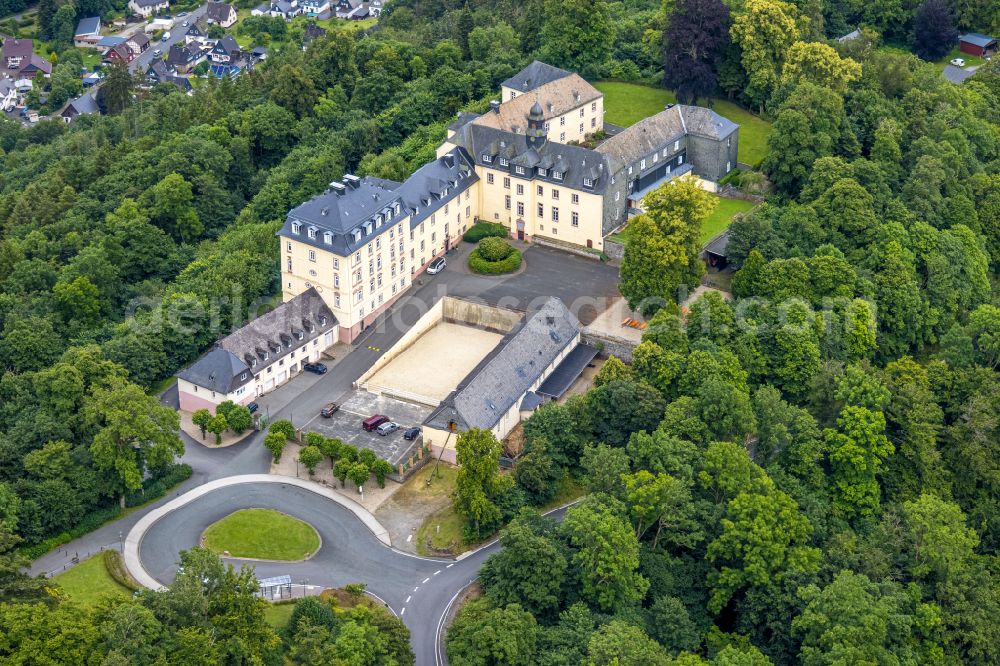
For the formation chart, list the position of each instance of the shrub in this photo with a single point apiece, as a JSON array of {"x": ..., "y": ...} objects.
[
  {"x": 239, "y": 419},
  {"x": 381, "y": 469},
  {"x": 115, "y": 565},
  {"x": 275, "y": 443},
  {"x": 480, "y": 265},
  {"x": 495, "y": 249},
  {"x": 482, "y": 230},
  {"x": 358, "y": 474},
  {"x": 283, "y": 426},
  {"x": 367, "y": 456},
  {"x": 310, "y": 456}
]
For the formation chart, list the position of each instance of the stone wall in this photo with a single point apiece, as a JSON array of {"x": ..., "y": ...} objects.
[
  {"x": 610, "y": 345},
  {"x": 614, "y": 249},
  {"x": 480, "y": 315}
]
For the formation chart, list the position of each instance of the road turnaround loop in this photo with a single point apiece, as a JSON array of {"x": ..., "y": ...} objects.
[{"x": 133, "y": 562}]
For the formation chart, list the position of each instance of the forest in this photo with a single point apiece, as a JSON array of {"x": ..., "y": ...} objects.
[{"x": 808, "y": 473}]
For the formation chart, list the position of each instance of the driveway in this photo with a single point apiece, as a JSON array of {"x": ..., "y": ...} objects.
[{"x": 143, "y": 60}]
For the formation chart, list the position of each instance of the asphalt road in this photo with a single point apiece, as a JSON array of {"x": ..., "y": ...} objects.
[
  {"x": 143, "y": 60},
  {"x": 418, "y": 589}
]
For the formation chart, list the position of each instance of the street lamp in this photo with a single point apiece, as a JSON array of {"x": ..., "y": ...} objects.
[{"x": 121, "y": 542}]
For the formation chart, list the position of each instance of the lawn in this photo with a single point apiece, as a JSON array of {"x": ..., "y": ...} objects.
[
  {"x": 722, "y": 216},
  {"x": 716, "y": 222},
  {"x": 262, "y": 534},
  {"x": 278, "y": 615},
  {"x": 970, "y": 60},
  {"x": 88, "y": 581},
  {"x": 627, "y": 103}
]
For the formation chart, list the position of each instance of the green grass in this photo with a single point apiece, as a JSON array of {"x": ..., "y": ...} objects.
[
  {"x": 722, "y": 216},
  {"x": 716, "y": 222},
  {"x": 970, "y": 60},
  {"x": 444, "y": 529},
  {"x": 627, "y": 103},
  {"x": 278, "y": 615},
  {"x": 88, "y": 581},
  {"x": 262, "y": 534}
]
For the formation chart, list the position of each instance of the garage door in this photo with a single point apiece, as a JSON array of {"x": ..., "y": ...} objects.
[
  {"x": 269, "y": 384},
  {"x": 281, "y": 377}
]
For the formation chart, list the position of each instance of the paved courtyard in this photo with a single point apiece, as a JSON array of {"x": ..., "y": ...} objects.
[
  {"x": 359, "y": 405},
  {"x": 435, "y": 363}
]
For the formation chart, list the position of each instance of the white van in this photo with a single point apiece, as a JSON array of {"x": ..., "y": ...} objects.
[{"x": 165, "y": 37}]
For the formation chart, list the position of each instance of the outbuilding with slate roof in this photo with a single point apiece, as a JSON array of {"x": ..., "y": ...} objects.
[
  {"x": 499, "y": 389},
  {"x": 533, "y": 76},
  {"x": 261, "y": 355}
]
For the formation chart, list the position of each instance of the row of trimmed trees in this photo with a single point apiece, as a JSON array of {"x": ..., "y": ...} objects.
[
  {"x": 228, "y": 416},
  {"x": 347, "y": 462}
]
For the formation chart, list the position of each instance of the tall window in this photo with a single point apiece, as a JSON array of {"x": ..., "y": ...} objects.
[
  {"x": 489, "y": 178},
  {"x": 555, "y": 194},
  {"x": 574, "y": 198},
  {"x": 575, "y": 219},
  {"x": 540, "y": 190},
  {"x": 312, "y": 255},
  {"x": 506, "y": 202},
  {"x": 520, "y": 208},
  {"x": 541, "y": 210},
  {"x": 520, "y": 189},
  {"x": 506, "y": 182},
  {"x": 555, "y": 214}
]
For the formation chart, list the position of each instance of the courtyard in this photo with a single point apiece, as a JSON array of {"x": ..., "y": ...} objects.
[{"x": 430, "y": 368}]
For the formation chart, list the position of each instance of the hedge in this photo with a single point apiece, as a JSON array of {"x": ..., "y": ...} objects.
[
  {"x": 482, "y": 230},
  {"x": 508, "y": 265},
  {"x": 154, "y": 489},
  {"x": 115, "y": 564}
]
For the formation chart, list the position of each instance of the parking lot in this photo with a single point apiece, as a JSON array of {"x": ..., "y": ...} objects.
[{"x": 359, "y": 405}]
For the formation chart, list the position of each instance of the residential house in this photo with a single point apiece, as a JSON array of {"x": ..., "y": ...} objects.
[
  {"x": 109, "y": 41},
  {"x": 120, "y": 53},
  {"x": 319, "y": 9},
  {"x": 351, "y": 9},
  {"x": 184, "y": 58},
  {"x": 138, "y": 42},
  {"x": 88, "y": 32},
  {"x": 147, "y": 8},
  {"x": 197, "y": 32},
  {"x": 535, "y": 362},
  {"x": 85, "y": 103},
  {"x": 159, "y": 72},
  {"x": 9, "y": 95},
  {"x": 91, "y": 79},
  {"x": 16, "y": 53},
  {"x": 261, "y": 355},
  {"x": 35, "y": 65},
  {"x": 258, "y": 53},
  {"x": 375, "y": 7},
  {"x": 981, "y": 46},
  {"x": 286, "y": 9},
  {"x": 221, "y": 13},
  {"x": 226, "y": 50}
]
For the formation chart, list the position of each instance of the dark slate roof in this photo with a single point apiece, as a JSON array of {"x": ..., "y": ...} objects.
[
  {"x": 218, "y": 11},
  {"x": 218, "y": 370},
  {"x": 977, "y": 39},
  {"x": 719, "y": 244},
  {"x": 158, "y": 71},
  {"x": 343, "y": 208},
  {"x": 567, "y": 371},
  {"x": 139, "y": 38},
  {"x": 423, "y": 193},
  {"x": 510, "y": 370},
  {"x": 957, "y": 74},
  {"x": 226, "y": 45},
  {"x": 38, "y": 62},
  {"x": 83, "y": 104},
  {"x": 111, "y": 40},
  {"x": 464, "y": 118},
  {"x": 182, "y": 54},
  {"x": 289, "y": 326},
  {"x": 534, "y": 75},
  {"x": 531, "y": 402},
  {"x": 575, "y": 163},
  {"x": 88, "y": 26},
  {"x": 705, "y": 122}
]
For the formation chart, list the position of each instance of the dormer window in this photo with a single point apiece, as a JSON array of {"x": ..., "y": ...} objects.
[
  {"x": 299, "y": 335},
  {"x": 312, "y": 232},
  {"x": 296, "y": 228},
  {"x": 503, "y": 161},
  {"x": 587, "y": 182},
  {"x": 267, "y": 355},
  {"x": 327, "y": 237},
  {"x": 253, "y": 363},
  {"x": 519, "y": 170},
  {"x": 487, "y": 158},
  {"x": 395, "y": 208},
  {"x": 243, "y": 376},
  {"x": 322, "y": 320},
  {"x": 557, "y": 175},
  {"x": 378, "y": 222},
  {"x": 542, "y": 172}
]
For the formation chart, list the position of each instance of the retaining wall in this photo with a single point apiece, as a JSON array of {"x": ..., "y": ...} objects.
[{"x": 610, "y": 345}]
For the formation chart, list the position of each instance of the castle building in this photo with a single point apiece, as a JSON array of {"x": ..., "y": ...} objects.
[{"x": 361, "y": 242}]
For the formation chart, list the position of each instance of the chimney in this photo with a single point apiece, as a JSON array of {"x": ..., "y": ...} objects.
[
  {"x": 338, "y": 188},
  {"x": 449, "y": 160},
  {"x": 494, "y": 106},
  {"x": 352, "y": 181}
]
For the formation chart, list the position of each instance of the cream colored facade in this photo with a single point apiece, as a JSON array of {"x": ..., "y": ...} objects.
[
  {"x": 359, "y": 287},
  {"x": 571, "y": 108},
  {"x": 540, "y": 208}
]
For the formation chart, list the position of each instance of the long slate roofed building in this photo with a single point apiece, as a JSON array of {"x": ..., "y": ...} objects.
[
  {"x": 261, "y": 355},
  {"x": 492, "y": 395}
]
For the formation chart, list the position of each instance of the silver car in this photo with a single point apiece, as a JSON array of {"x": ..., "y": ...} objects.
[
  {"x": 387, "y": 427},
  {"x": 437, "y": 266}
]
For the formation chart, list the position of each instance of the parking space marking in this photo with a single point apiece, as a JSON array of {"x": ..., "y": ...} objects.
[
  {"x": 407, "y": 600},
  {"x": 437, "y": 572},
  {"x": 402, "y": 612},
  {"x": 426, "y": 579}
]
